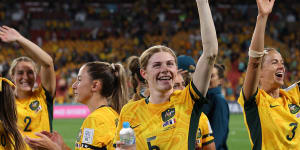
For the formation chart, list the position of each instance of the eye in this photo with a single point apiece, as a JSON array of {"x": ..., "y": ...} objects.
[
  {"x": 156, "y": 65},
  {"x": 170, "y": 63}
]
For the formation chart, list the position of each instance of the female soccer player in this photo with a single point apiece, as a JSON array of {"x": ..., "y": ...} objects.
[
  {"x": 102, "y": 87},
  {"x": 34, "y": 106},
  {"x": 10, "y": 136},
  {"x": 167, "y": 120},
  {"x": 271, "y": 114}
]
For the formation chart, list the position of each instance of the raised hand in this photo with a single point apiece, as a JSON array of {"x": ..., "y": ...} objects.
[
  {"x": 265, "y": 6},
  {"x": 8, "y": 34}
]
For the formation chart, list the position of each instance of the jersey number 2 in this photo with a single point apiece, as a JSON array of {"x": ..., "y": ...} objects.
[
  {"x": 27, "y": 121},
  {"x": 294, "y": 125},
  {"x": 3, "y": 140}
]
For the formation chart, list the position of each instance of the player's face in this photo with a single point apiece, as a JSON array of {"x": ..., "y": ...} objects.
[
  {"x": 24, "y": 76},
  {"x": 82, "y": 87},
  {"x": 214, "y": 80},
  {"x": 273, "y": 70},
  {"x": 160, "y": 71},
  {"x": 179, "y": 83}
]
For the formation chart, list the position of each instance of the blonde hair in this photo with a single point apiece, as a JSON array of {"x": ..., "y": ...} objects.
[{"x": 146, "y": 55}]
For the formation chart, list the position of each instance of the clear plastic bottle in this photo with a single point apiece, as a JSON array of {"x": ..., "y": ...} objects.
[{"x": 127, "y": 134}]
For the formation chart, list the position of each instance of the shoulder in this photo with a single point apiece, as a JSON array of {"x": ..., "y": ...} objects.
[{"x": 132, "y": 106}]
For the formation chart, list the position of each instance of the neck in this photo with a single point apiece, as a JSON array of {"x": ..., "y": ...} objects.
[
  {"x": 95, "y": 102},
  {"x": 273, "y": 92},
  {"x": 22, "y": 94},
  {"x": 158, "y": 97}
]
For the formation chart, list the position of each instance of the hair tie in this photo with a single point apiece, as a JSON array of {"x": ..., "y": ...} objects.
[
  {"x": 256, "y": 54},
  {"x": 7, "y": 81}
]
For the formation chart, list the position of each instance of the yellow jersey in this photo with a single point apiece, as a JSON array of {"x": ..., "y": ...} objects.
[
  {"x": 273, "y": 122},
  {"x": 169, "y": 125},
  {"x": 98, "y": 130},
  {"x": 204, "y": 132},
  {"x": 4, "y": 145},
  {"x": 35, "y": 114}
]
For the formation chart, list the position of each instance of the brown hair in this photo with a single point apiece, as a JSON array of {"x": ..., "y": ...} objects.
[
  {"x": 135, "y": 77},
  {"x": 146, "y": 55},
  {"x": 113, "y": 78},
  {"x": 15, "y": 62},
  {"x": 220, "y": 68},
  {"x": 8, "y": 116}
]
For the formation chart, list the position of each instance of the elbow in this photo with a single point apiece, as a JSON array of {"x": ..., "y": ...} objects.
[{"x": 49, "y": 62}]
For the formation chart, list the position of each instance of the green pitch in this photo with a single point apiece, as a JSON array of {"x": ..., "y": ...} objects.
[{"x": 237, "y": 140}]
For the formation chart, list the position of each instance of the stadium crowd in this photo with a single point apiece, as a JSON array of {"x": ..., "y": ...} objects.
[{"x": 74, "y": 33}]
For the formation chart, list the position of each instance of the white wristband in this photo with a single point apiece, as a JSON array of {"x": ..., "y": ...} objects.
[{"x": 256, "y": 54}]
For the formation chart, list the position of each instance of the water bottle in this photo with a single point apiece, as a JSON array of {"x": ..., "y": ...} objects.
[{"x": 127, "y": 134}]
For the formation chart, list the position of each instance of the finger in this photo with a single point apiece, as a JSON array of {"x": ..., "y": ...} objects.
[
  {"x": 40, "y": 135},
  {"x": 6, "y": 27}
]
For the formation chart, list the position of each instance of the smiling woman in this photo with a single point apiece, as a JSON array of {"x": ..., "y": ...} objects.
[
  {"x": 269, "y": 111},
  {"x": 168, "y": 119},
  {"x": 34, "y": 106}
]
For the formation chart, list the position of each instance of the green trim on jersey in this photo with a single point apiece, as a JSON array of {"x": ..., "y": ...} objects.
[
  {"x": 195, "y": 116},
  {"x": 50, "y": 103},
  {"x": 253, "y": 121}
]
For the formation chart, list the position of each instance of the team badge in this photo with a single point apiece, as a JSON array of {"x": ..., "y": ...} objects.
[
  {"x": 35, "y": 106},
  {"x": 168, "y": 114},
  {"x": 294, "y": 108}
]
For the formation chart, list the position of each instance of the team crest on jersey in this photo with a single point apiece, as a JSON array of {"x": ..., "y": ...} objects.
[
  {"x": 168, "y": 114},
  {"x": 294, "y": 108},
  {"x": 35, "y": 106}
]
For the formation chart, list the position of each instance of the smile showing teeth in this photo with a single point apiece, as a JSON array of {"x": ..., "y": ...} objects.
[
  {"x": 165, "y": 78},
  {"x": 279, "y": 74}
]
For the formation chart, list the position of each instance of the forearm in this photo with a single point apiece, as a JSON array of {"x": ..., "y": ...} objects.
[
  {"x": 201, "y": 77},
  {"x": 35, "y": 52},
  {"x": 208, "y": 31},
  {"x": 254, "y": 65}
]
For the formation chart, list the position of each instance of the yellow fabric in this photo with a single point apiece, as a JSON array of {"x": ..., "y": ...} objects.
[
  {"x": 204, "y": 133},
  {"x": 3, "y": 139},
  {"x": 98, "y": 129},
  {"x": 32, "y": 114},
  {"x": 163, "y": 125},
  {"x": 279, "y": 126}
]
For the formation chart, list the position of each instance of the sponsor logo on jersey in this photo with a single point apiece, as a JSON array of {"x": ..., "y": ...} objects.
[
  {"x": 294, "y": 108},
  {"x": 168, "y": 114}
]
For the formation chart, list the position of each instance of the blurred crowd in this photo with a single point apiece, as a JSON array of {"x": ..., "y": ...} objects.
[{"x": 78, "y": 31}]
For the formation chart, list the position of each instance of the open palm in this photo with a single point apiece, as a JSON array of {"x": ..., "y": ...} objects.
[
  {"x": 265, "y": 6},
  {"x": 8, "y": 34}
]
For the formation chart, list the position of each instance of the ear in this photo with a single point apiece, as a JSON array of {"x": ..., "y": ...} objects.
[
  {"x": 96, "y": 85},
  {"x": 143, "y": 73}
]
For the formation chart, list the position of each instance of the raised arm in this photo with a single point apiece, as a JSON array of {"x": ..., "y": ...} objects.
[
  {"x": 205, "y": 64},
  {"x": 44, "y": 60},
  {"x": 256, "y": 48}
]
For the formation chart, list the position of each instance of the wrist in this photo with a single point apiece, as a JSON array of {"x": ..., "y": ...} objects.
[{"x": 260, "y": 15}]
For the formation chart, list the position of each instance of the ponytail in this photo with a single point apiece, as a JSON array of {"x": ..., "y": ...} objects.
[
  {"x": 120, "y": 92},
  {"x": 113, "y": 80}
]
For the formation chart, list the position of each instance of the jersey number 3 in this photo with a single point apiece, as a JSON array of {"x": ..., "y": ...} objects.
[
  {"x": 27, "y": 121},
  {"x": 294, "y": 125}
]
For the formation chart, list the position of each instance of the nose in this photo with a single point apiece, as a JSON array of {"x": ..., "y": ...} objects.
[{"x": 74, "y": 86}]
